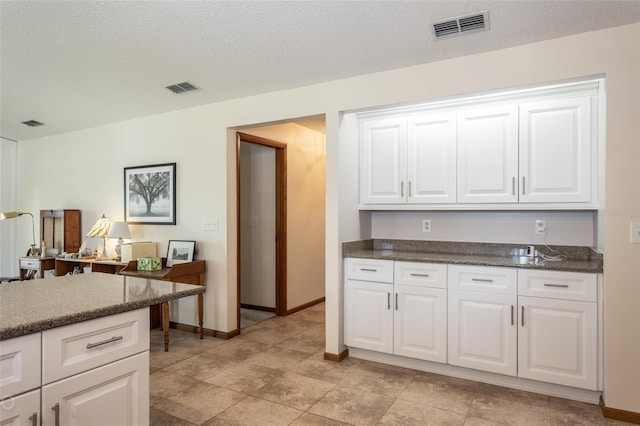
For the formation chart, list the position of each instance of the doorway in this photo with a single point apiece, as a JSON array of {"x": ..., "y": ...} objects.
[{"x": 261, "y": 174}]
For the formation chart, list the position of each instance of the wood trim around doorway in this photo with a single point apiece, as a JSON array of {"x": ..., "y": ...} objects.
[{"x": 281, "y": 218}]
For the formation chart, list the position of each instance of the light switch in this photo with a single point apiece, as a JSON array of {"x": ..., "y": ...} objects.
[
  {"x": 254, "y": 222},
  {"x": 635, "y": 232},
  {"x": 209, "y": 224}
]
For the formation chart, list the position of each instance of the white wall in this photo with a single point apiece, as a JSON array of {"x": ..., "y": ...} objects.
[
  {"x": 199, "y": 140},
  {"x": 8, "y": 249},
  {"x": 563, "y": 228},
  {"x": 305, "y": 209}
]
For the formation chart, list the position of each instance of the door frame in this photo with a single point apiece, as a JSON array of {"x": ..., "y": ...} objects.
[{"x": 281, "y": 218}]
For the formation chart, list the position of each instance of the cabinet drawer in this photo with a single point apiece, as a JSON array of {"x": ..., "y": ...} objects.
[
  {"x": 369, "y": 270},
  {"x": 30, "y": 264},
  {"x": 558, "y": 285},
  {"x": 80, "y": 347},
  {"x": 484, "y": 279},
  {"x": 421, "y": 274},
  {"x": 21, "y": 410},
  {"x": 19, "y": 365}
]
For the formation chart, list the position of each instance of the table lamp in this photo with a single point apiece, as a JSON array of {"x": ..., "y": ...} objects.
[
  {"x": 11, "y": 215},
  {"x": 119, "y": 230},
  {"x": 101, "y": 229}
]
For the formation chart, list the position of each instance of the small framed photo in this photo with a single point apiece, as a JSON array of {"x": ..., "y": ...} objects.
[
  {"x": 180, "y": 252},
  {"x": 150, "y": 194}
]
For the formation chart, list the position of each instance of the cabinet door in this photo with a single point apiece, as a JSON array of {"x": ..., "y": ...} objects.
[
  {"x": 21, "y": 410},
  {"x": 369, "y": 316},
  {"x": 114, "y": 394},
  {"x": 555, "y": 151},
  {"x": 383, "y": 161},
  {"x": 557, "y": 341},
  {"x": 488, "y": 155},
  {"x": 431, "y": 158},
  {"x": 482, "y": 331},
  {"x": 420, "y": 323}
]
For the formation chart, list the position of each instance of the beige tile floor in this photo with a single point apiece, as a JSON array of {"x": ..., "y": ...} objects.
[{"x": 274, "y": 374}]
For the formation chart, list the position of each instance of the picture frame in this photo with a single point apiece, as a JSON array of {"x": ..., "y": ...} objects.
[
  {"x": 180, "y": 251},
  {"x": 150, "y": 194}
]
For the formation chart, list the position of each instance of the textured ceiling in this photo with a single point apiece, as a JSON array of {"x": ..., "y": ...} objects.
[{"x": 78, "y": 64}]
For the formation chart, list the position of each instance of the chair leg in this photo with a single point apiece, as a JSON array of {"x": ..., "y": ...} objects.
[
  {"x": 165, "y": 325},
  {"x": 201, "y": 315}
]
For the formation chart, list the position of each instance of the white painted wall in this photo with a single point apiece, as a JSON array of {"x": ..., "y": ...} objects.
[
  {"x": 258, "y": 225},
  {"x": 200, "y": 141},
  {"x": 563, "y": 228},
  {"x": 305, "y": 209},
  {"x": 8, "y": 248}
]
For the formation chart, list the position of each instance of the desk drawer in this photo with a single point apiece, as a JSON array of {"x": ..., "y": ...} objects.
[
  {"x": 483, "y": 279},
  {"x": 578, "y": 286},
  {"x": 30, "y": 264},
  {"x": 375, "y": 270},
  {"x": 19, "y": 365},
  {"x": 421, "y": 274},
  {"x": 80, "y": 347}
]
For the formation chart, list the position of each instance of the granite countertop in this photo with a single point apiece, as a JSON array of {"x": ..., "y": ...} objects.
[
  {"x": 578, "y": 259},
  {"x": 31, "y": 306}
]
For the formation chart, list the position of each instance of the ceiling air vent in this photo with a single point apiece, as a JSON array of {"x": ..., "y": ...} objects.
[
  {"x": 32, "y": 123},
  {"x": 183, "y": 87},
  {"x": 461, "y": 24}
]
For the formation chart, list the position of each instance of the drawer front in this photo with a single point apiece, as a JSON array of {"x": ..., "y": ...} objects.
[
  {"x": 80, "y": 347},
  {"x": 29, "y": 264},
  {"x": 21, "y": 410},
  {"x": 483, "y": 279},
  {"x": 369, "y": 270},
  {"x": 558, "y": 285},
  {"x": 19, "y": 365},
  {"x": 421, "y": 274}
]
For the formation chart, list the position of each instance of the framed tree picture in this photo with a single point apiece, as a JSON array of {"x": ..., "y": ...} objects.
[
  {"x": 150, "y": 194},
  {"x": 180, "y": 252}
]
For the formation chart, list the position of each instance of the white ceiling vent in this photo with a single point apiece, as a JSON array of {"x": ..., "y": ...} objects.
[
  {"x": 183, "y": 87},
  {"x": 461, "y": 24},
  {"x": 32, "y": 123}
]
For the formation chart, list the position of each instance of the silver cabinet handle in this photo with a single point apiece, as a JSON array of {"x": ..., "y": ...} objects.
[
  {"x": 409, "y": 188},
  {"x": 511, "y": 314},
  {"x": 402, "y": 188},
  {"x": 481, "y": 280},
  {"x": 368, "y": 270},
  {"x": 34, "y": 419},
  {"x": 388, "y": 301},
  {"x": 522, "y": 315},
  {"x": 104, "y": 342},
  {"x": 56, "y": 408},
  {"x": 420, "y": 275},
  {"x": 523, "y": 191},
  {"x": 513, "y": 185},
  {"x": 556, "y": 285},
  {"x": 396, "y": 301}
]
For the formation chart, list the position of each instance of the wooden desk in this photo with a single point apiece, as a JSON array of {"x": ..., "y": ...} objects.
[
  {"x": 39, "y": 264},
  {"x": 189, "y": 273},
  {"x": 65, "y": 266}
]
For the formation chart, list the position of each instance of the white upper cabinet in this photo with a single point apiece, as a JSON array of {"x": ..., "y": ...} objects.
[
  {"x": 488, "y": 155},
  {"x": 513, "y": 151},
  {"x": 431, "y": 160},
  {"x": 555, "y": 151},
  {"x": 383, "y": 161}
]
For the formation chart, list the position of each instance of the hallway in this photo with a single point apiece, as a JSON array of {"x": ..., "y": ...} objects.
[{"x": 274, "y": 374}]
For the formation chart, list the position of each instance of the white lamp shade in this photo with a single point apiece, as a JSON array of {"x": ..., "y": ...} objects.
[
  {"x": 101, "y": 228},
  {"x": 119, "y": 230}
]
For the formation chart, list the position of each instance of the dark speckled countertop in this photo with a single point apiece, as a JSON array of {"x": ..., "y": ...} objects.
[
  {"x": 577, "y": 259},
  {"x": 31, "y": 306}
]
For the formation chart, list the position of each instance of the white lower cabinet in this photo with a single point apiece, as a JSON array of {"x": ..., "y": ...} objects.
[
  {"x": 482, "y": 326},
  {"x": 114, "y": 394},
  {"x": 533, "y": 324},
  {"x": 558, "y": 337},
  {"x": 407, "y": 319},
  {"x": 21, "y": 410}
]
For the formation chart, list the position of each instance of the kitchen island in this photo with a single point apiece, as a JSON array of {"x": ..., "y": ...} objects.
[{"x": 78, "y": 346}]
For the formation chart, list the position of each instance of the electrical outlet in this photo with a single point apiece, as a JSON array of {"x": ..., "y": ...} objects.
[
  {"x": 426, "y": 225},
  {"x": 541, "y": 227},
  {"x": 635, "y": 233}
]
